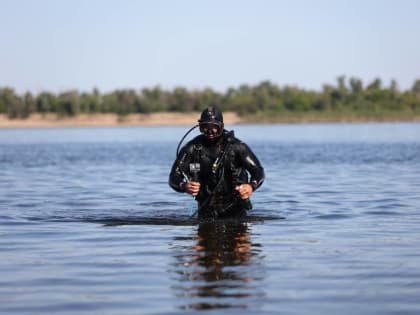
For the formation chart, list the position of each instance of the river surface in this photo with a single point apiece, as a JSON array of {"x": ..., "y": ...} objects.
[{"x": 88, "y": 224}]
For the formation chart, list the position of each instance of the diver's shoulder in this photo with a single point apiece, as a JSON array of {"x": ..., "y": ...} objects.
[
  {"x": 197, "y": 141},
  {"x": 231, "y": 138},
  {"x": 236, "y": 144}
]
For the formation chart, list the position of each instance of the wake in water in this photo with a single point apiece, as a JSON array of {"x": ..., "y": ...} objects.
[
  {"x": 151, "y": 216},
  {"x": 151, "y": 220}
]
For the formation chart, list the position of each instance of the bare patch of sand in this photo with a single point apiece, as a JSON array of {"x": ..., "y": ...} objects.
[{"x": 109, "y": 120}]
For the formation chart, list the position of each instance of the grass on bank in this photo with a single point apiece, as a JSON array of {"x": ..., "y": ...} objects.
[{"x": 330, "y": 116}]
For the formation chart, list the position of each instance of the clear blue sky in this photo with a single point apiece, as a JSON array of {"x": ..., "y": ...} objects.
[{"x": 57, "y": 45}]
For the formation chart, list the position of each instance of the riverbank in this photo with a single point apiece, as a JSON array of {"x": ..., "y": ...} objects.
[
  {"x": 187, "y": 119},
  {"x": 332, "y": 117},
  {"x": 109, "y": 120}
]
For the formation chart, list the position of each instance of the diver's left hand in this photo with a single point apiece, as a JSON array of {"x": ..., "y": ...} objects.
[{"x": 245, "y": 190}]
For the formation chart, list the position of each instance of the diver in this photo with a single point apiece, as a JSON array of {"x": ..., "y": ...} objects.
[{"x": 219, "y": 170}]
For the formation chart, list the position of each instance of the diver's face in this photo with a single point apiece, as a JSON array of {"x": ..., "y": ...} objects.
[{"x": 210, "y": 131}]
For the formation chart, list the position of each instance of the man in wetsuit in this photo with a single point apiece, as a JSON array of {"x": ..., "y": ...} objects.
[{"x": 219, "y": 170}]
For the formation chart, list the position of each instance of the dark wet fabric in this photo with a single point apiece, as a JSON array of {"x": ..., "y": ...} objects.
[{"x": 219, "y": 166}]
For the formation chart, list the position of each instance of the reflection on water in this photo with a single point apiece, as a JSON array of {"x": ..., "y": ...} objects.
[{"x": 210, "y": 266}]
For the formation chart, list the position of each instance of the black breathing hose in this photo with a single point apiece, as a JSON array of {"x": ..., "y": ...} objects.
[{"x": 182, "y": 139}]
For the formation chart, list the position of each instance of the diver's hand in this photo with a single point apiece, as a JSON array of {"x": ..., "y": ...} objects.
[
  {"x": 192, "y": 188},
  {"x": 245, "y": 191}
]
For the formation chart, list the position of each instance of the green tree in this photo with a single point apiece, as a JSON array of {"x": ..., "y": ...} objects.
[
  {"x": 180, "y": 100},
  {"x": 126, "y": 102},
  {"x": 46, "y": 103},
  {"x": 69, "y": 103},
  {"x": 416, "y": 87},
  {"x": 375, "y": 85},
  {"x": 154, "y": 99},
  {"x": 266, "y": 96},
  {"x": 3, "y": 100},
  {"x": 342, "y": 88},
  {"x": 29, "y": 106},
  {"x": 242, "y": 104},
  {"x": 13, "y": 104},
  {"x": 356, "y": 85},
  {"x": 393, "y": 87},
  {"x": 109, "y": 101},
  {"x": 206, "y": 98},
  {"x": 262, "y": 97}
]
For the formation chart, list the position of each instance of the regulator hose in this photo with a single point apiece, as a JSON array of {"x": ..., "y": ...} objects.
[{"x": 182, "y": 139}]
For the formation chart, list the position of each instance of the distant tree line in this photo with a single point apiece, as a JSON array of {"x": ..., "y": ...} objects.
[{"x": 347, "y": 95}]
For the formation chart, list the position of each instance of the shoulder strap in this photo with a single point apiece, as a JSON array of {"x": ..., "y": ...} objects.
[
  {"x": 227, "y": 145},
  {"x": 197, "y": 152}
]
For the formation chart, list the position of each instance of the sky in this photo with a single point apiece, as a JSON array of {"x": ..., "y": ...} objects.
[{"x": 59, "y": 45}]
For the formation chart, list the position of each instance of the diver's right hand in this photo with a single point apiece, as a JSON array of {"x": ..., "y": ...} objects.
[{"x": 192, "y": 188}]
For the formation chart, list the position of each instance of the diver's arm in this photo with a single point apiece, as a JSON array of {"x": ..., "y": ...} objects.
[
  {"x": 251, "y": 163},
  {"x": 178, "y": 176}
]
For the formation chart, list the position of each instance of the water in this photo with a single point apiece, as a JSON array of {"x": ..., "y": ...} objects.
[{"x": 88, "y": 224}]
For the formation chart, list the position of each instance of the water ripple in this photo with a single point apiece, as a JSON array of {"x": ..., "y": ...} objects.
[{"x": 90, "y": 226}]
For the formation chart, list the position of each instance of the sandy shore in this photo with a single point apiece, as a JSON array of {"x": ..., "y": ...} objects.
[
  {"x": 110, "y": 120},
  {"x": 189, "y": 119}
]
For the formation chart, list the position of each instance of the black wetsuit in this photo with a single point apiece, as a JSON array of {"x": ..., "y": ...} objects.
[{"x": 219, "y": 165}]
